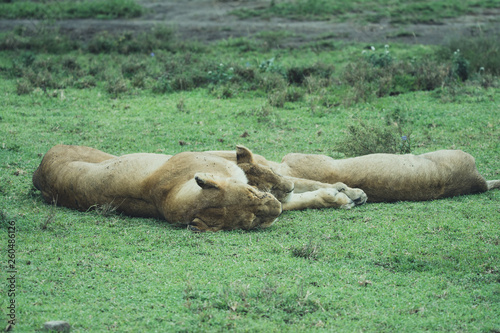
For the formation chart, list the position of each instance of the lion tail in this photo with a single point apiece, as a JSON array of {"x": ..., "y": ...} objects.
[{"x": 492, "y": 184}]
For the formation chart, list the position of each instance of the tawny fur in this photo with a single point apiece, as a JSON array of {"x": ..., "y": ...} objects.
[
  {"x": 196, "y": 189},
  {"x": 202, "y": 190},
  {"x": 388, "y": 177}
]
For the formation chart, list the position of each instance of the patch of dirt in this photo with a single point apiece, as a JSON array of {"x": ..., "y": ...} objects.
[{"x": 210, "y": 20}]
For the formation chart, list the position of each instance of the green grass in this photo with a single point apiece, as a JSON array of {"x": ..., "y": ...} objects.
[
  {"x": 53, "y": 9},
  {"x": 406, "y": 266},
  {"x": 396, "y": 12}
]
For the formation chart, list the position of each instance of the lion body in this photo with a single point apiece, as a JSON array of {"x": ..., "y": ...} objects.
[
  {"x": 196, "y": 189},
  {"x": 223, "y": 190},
  {"x": 201, "y": 190},
  {"x": 389, "y": 177}
]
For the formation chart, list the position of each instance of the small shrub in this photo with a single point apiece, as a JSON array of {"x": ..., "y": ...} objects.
[
  {"x": 27, "y": 58},
  {"x": 459, "y": 66},
  {"x": 242, "y": 44},
  {"x": 479, "y": 52},
  {"x": 272, "y": 66},
  {"x": 116, "y": 86},
  {"x": 98, "y": 69},
  {"x": 484, "y": 80},
  {"x": 277, "y": 98},
  {"x": 139, "y": 80},
  {"x": 383, "y": 60},
  {"x": 221, "y": 74},
  {"x": 246, "y": 74},
  {"x": 314, "y": 84},
  {"x": 127, "y": 42},
  {"x": 298, "y": 75},
  {"x": 85, "y": 82},
  {"x": 162, "y": 85},
  {"x": 102, "y": 42},
  {"x": 182, "y": 82},
  {"x": 132, "y": 68},
  {"x": 309, "y": 251},
  {"x": 45, "y": 38},
  {"x": 369, "y": 77},
  {"x": 223, "y": 91},
  {"x": 294, "y": 94},
  {"x": 271, "y": 82},
  {"x": 181, "y": 106},
  {"x": 362, "y": 139},
  {"x": 273, "y": 39},
  {"x": 430, "y": 75},
  {"x": 43, "y": 79},
  {"x": 23, "y": 87},
  {"x": 70, "y": 63}
]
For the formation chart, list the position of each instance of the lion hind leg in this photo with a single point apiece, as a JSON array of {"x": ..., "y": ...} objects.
[{"x": 493, "y": 184}]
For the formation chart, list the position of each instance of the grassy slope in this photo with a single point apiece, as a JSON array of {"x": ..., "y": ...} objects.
[{"x": 403, "y": 266}]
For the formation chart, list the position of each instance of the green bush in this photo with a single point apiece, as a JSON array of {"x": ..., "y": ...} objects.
[
  {"x": 44, "y": 38},
  {"x": 459, "y": 66},
  {"x": 481, "y": 53},
  {"x": 363, "y": 138},
  {"x": 380, "y": 74},
  {"x": 127, "y": 42},
  {"x": 299, "y": 74}
]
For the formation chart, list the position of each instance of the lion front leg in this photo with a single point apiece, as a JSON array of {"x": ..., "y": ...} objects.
[
  {"x": 301, "y": 185},
  {"x": 358, "y": 196},
  {"x": 321, "y": 198}
]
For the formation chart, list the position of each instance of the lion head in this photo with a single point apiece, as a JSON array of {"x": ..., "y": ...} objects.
[
  {"x": 263, "y": 177},
  {"x": 226, "y": 204}
]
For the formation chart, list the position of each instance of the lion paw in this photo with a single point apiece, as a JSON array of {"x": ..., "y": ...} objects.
[
  {"x": 357, "y": 195},
  {"x": 330, "y": 197}
]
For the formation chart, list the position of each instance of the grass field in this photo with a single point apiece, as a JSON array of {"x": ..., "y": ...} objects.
[
  {"x": 405, "y": 266},
  {"x": 54, "y": 10},
  {"x": 397, "y": 12}
]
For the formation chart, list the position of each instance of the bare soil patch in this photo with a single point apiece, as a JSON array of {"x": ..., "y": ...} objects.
[{"x": 209, "y": 20}]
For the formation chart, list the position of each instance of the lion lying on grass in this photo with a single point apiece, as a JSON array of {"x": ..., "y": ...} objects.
[
  {"x": 388, "y": 177},
  {"x": 201, "y": 190}
]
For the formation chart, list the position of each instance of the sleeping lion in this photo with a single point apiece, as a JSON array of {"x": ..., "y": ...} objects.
[
  {"x": 389, "y": 177},
  {"x": 204, "y": 191}
]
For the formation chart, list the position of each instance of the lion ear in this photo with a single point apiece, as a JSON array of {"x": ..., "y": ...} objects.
[
  {"x": 244, "y": 155},
  {"x": 205, "y": 181}
]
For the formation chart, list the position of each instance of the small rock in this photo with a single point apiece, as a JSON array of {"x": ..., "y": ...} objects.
[{"x": 57, "y": 325}]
